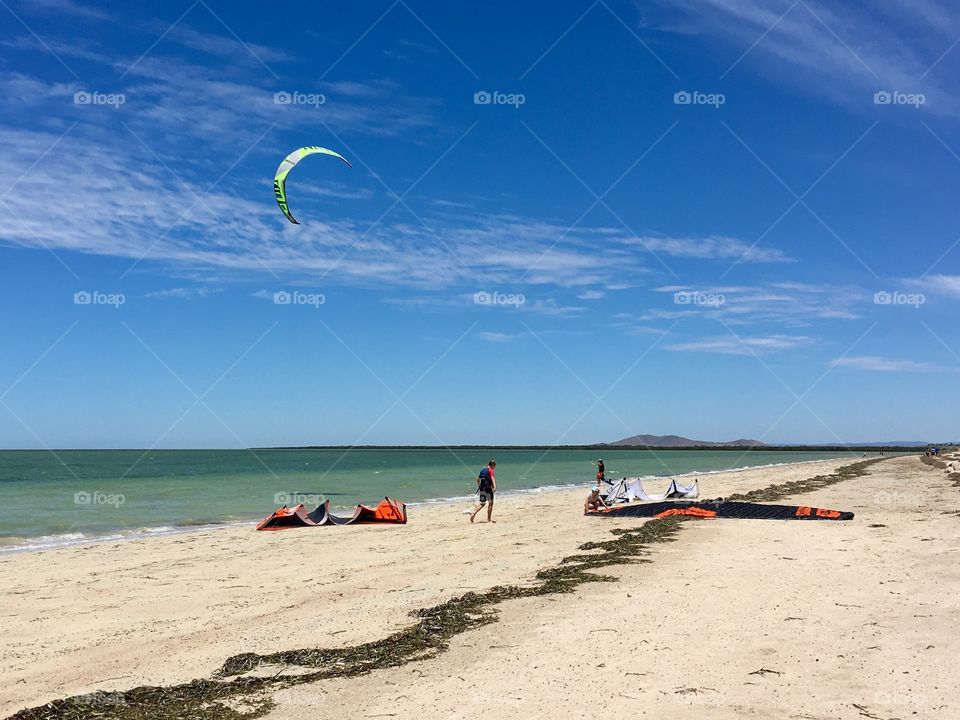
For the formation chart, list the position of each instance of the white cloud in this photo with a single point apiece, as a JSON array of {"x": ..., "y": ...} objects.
[
  {"x": 225, "y": 47},
  {"x": 707, "y": 248},
  {"x": 120, "y": 202},
  {"x": 732, "y": 345},
  {"x": 184, "y": 293},
  {"x": 874, "y": 363},
  {"x": 939, "y": 284},
  {"x": 67, "y": 7},
  {"x": 592, "y": 295},
  {"x": 497, "y": 337},
  {"x": 843, "y": 52},
  {"x": 790, "y": 303}
]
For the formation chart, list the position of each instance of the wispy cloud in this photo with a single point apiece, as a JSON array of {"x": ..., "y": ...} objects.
[
  {"x": 498, "y": 337},
  {"x": 127, "y": 205},
  {"x": 65, "y": 7},
  {"x": 843, "y": 52},
  {"x": 938, "y": 284},
  {"x": 591, "y": 295},
  {"x": 707, "y": 248},
  {"x": 790, "y": 303},
  {"x": 222, "y": 46},
  {"x": 731, "y": 345},
  {"x": 874, "y": 363},
  {"x": 184, "y": 293}
]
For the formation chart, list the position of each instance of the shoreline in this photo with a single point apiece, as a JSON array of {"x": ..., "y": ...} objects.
[
  {"x": 29, "y": 544},
  {"x": 162, "y": 611}
]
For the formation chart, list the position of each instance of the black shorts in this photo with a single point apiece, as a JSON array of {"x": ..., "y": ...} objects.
[{"x": 486, "y": 495}]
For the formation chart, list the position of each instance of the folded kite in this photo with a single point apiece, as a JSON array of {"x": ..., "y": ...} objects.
[{"x": 721, "y": 508}]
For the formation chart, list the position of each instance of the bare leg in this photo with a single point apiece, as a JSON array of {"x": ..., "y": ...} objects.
[
  {"x": 479, "y": 507},
  {"x": 490, "y": 511}
]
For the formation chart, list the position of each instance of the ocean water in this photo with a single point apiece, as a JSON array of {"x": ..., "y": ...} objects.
[{"x": 48, "y": 500}]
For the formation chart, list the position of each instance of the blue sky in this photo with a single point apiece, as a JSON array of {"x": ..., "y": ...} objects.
[{"x": 716, "y": 219}]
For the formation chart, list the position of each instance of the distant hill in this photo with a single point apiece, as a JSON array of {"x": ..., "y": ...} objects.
[{"x": 673, "y": 441}]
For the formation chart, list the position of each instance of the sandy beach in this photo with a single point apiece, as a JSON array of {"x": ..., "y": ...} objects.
[{"x": 760, "y": 619}]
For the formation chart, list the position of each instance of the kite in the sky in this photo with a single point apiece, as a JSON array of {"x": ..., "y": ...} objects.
[{"x": 280, "y": 181}]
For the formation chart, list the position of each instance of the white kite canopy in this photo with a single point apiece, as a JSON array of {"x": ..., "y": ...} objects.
[{"x": 629, "y": 489}]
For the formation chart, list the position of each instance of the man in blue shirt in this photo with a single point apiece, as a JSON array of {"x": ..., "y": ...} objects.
[{"x": 486, "y": 487}]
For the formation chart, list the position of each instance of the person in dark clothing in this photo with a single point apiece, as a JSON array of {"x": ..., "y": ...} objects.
[
  {"x": 486, "y": 487},
  {"x": 600, "y": 471}
]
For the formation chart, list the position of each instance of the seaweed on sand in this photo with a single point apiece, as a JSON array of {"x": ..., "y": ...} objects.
[
  {"x": 936, "y": 462},
  {"x": 236, "y": 692},
  {"x": 774, "y": 493}
]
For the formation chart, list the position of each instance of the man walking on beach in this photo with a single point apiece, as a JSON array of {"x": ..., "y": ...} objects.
[{"x": 486, "y": 487}]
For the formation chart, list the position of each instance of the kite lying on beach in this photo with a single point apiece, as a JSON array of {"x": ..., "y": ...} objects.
[
  {"x": 389, "y": 511},
  {"x": 721, "y": 508}
]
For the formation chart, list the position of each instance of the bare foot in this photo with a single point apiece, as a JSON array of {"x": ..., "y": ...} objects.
[{"x": 471, "y": 518}]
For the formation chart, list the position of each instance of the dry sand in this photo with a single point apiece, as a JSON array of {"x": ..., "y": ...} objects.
[{"x": 861, "y": 613}]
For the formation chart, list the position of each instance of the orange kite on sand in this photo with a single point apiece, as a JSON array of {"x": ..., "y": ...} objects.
[{"x": 389, "y": 511}]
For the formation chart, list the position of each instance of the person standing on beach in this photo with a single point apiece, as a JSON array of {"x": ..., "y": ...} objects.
[
  {"x": 486, "y": 487},
  {"x": 601, "y": 471}
]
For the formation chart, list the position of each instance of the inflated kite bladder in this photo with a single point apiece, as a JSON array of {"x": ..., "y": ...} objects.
[
  {"x": 288, "y": 164},
  {"x": 389, "y": 511}
]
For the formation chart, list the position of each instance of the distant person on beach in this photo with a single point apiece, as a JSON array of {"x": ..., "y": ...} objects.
[
  {"x": 594, "y": 501},
  {"x": 601, "y": 470},
  {"x": 486, "y": 487}
]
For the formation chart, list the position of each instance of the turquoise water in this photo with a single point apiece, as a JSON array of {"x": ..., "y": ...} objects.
[{"x": 78, "y": 496}]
